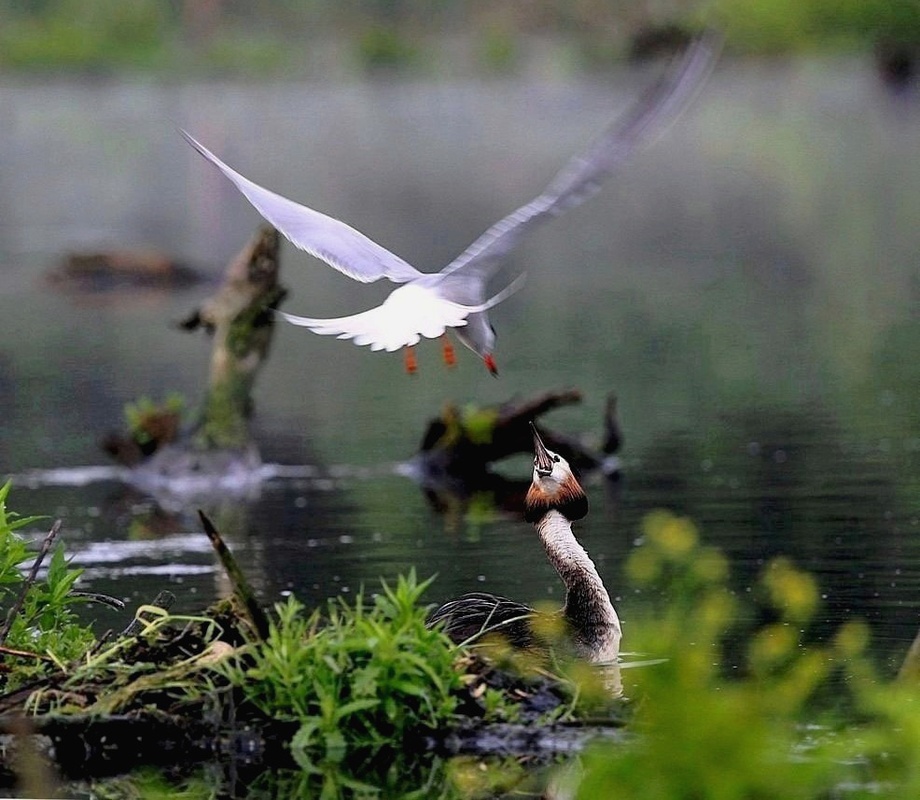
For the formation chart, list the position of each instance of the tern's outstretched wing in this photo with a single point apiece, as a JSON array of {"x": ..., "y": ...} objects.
[
  {"x": 336, "y": 243},
  {"x": 583, "y": 174}
]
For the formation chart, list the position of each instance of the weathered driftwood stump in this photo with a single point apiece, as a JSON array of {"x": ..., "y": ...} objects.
[{"x": 239, "y": 317}]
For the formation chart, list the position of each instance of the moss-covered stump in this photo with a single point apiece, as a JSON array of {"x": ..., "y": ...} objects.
[{"x": 239, "y": 318}]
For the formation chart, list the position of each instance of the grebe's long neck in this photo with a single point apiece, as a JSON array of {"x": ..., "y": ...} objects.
[{"x": 588, "y": 609}]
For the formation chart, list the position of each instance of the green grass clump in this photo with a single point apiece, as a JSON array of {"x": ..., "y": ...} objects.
[
  {"x": 357, "y": 678},
  {"x": 786, "y": 718},
  {"x": 45, "y": 628}
]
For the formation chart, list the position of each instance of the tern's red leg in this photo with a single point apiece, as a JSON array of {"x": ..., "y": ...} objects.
[
  {"x": 411, "y": 363},
  {"x": 450, "y": 357}
]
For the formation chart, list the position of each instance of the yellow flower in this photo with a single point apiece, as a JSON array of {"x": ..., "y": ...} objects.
[
  {"x": 674, "y": 536},
  {"x": 772, "y": 644},
  {"x": 791, "y": 591},
  {"x": 851, "y": 638}
]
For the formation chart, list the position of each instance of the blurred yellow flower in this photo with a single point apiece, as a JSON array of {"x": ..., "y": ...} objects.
[{"x": 792, "y": 592}]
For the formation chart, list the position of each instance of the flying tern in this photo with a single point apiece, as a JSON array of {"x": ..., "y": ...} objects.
[{"x": 426, "y": 304}]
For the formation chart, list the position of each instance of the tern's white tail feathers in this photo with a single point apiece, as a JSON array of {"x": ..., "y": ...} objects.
[{"x": 408, "y": 314}]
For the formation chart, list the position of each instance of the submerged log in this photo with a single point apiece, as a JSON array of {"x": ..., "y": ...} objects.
[{"x": 110, "y": 270}]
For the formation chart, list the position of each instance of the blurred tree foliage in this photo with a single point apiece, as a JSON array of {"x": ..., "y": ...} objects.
[
  {"x": 195, "y": 36},
  {"x": 760, "y": 26}
]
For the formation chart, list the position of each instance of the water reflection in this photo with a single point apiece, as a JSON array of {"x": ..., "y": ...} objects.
[{"x": 387, "y": 775}]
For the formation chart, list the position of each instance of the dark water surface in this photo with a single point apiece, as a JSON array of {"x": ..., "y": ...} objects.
[{"x": 748, "y": 287}]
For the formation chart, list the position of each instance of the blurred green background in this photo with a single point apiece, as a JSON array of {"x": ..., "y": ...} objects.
[{"x": 297, "y": 38}]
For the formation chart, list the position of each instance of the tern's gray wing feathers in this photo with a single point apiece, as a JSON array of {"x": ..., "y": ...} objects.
[
  {"x": 339, "y": 245},
  {"x": 582, "y": 176}
]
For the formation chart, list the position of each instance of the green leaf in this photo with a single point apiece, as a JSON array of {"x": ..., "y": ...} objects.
[
  {"x": 364, "y": 681},
  {"x": 356, "y": 705}
]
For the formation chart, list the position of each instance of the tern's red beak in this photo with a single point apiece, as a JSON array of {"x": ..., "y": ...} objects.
[{"x": 490, "y": 364}]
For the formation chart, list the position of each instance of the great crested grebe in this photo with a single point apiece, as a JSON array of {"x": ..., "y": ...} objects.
[
  {"x": 429, "y": 303},
  {"x": 555, "y": 499}
]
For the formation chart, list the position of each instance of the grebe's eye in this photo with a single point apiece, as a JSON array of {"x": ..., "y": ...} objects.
[{"x": 556, "y": 459}]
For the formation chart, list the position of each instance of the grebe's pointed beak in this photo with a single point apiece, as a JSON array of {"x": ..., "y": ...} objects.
[{"x": 543, "y": 460}]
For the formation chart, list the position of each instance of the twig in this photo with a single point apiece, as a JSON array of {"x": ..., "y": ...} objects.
[
  {"x": 164, "y": 600},
  {"x": 30, "y": 579},
  {"x": 99, "y": 597},
  {"x": 241, "y": 586},
  {"x": 10, "y": 651},
  {"x": 101, "y": 642}
]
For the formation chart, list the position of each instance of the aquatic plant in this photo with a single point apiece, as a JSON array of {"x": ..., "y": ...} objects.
[
  {"x": 791, "y": 719},
  {"x": 358, "y": 677},
  {"x": 146, "y": 418},
  {"x": 40, "y": 627}
]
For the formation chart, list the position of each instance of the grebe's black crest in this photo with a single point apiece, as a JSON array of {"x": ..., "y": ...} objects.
[{"x": 554, "y": 486}]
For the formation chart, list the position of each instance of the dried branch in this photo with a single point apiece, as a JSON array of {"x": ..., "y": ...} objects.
[
  {"x": 164, "y": 600},
  {"x": 241, "y": 586},
  {"x": 10, "y": 651}
]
